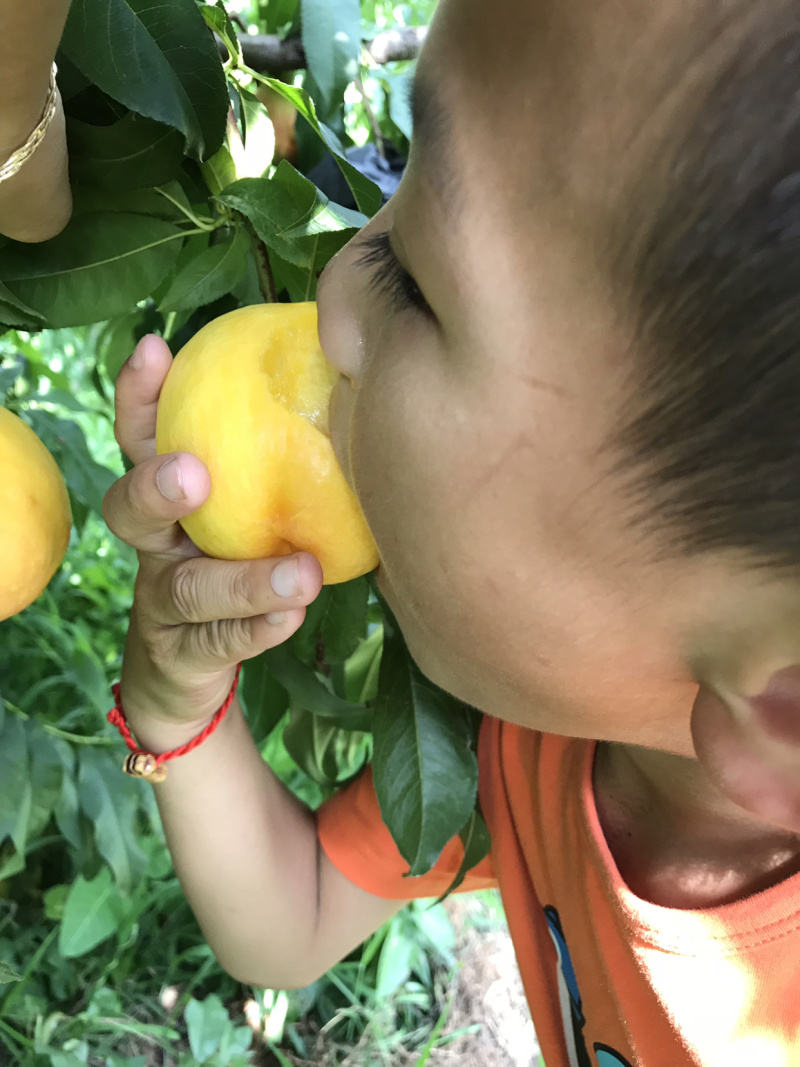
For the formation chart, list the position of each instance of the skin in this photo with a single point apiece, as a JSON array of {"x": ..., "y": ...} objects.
[
  {"x": 474, "y": 440},
  {"x": 36, "y": 203}
]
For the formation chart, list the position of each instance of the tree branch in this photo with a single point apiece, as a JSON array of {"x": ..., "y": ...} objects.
[
  {"x": 401, "y": 43},
  {"x": 268, "y": 54},
  {"x": 266, "y": 281}
]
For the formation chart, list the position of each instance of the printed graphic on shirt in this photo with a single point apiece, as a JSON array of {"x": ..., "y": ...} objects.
[{"x": 572, "y": 1009}]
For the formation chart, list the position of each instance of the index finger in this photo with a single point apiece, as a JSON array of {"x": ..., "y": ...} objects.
[{"x": 136, "y": 397}]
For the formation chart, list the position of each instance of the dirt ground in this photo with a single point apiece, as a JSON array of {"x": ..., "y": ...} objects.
[{"x": 487, "y": 990}]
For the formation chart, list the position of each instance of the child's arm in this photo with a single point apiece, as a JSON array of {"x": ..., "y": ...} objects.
[
  {"x": 248, "y": 858},
  {"x": 245, "y": 850}
]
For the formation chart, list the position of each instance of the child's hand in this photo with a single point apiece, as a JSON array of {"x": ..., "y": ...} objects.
[{"x": 193, "y": 618}]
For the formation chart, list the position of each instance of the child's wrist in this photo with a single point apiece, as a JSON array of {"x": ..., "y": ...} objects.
[
  {"x": 164, "y": 717},
  {"x": 155, "y": 733}
]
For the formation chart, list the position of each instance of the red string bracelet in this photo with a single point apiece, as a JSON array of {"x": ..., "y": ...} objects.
[{"x": 141, "y": 764}]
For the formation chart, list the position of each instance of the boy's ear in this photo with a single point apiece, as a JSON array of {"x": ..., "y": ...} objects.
[{"x": 749, "y": 746}]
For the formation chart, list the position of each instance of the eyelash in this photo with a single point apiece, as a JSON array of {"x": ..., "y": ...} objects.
[{"x": 389, "y": 276}]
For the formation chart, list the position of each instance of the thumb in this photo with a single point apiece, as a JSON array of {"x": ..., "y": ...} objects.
[{"x": 143, "y": 507}]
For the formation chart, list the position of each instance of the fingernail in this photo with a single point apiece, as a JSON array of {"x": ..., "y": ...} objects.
[
  {"x": 169, "y": 480},
  {"x": 276, "y": 617},
  {"x": 285, "y": 579},
  {"x": 136, "y": 360}
]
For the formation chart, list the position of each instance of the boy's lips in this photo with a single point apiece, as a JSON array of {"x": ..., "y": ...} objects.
[{"x": 338, "y": 425}]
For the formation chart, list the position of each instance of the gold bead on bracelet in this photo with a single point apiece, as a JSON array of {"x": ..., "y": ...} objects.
[{"x": 143, "y": 765}]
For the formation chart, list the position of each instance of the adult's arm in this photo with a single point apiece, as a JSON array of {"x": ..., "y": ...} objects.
[{"x": 35, "y": 204}]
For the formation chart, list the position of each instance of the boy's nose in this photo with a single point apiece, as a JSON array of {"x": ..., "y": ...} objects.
[{"x": 340, "y": 333}]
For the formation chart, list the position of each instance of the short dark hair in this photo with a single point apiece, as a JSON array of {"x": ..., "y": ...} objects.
[{"x": 710, "y": 437}]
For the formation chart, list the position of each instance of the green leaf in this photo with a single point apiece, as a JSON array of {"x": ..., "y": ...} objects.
[
  {"x": 332, "y": 43},
  {"x": 11, "y": 862},
  {"x": 15, "y": 785},
  {"x": 257, "y": 151},
  {"x": 263, "y": 697},
  {"x": 116, "y": 341},
  {"x": 155, "y": 58},
  {"x": 219, "y": 22},
  {"x": 366, "y": 192},
  {"x": 210, "y": 275},
  {"x": 345, "y": 621},
  {"x": 65, "y": 1059},
  {"x": 65, "y": 440},
  {"x": 207, "y": 1022},
  {"x": 168, "y": 202},
  {"x": 251, "y": 111},
  {"x": 337, "y": 619},
  {"x": 98, "y": 267},
  {"x": 311, "y": 742},
  {"x": 14, "y": 312},
  {"x": 47, "y": 772},
  {"x": 434, "y": 930},
  {"x": 94, "y": 910},
  {"x": 87, "y": 674},
  {"x": 220, "y": 171},
  {"x": 299, "y": 284},
  {"x": 110, "y": 799},
  {"x": 104, "y": 1002},
  {"x": 307, "y": 691},
  {"x": 278, "y": 15},
  {"x": 394, "y": 964},
  {"x": 55, "y": 900},
  {"x": 67, "y": 810},
  {"x": 424, "y": 765},
  {"x": 304, "y": 641},
  {"x": 8, "y": 974},
  {"x": 133, "y": 153},
  {"x": 362, "y": 669},
  {"x": 235, "y": 1042},
  {"x": 292, "y": 216},
  {"x": 398, "y": 88},
  {"x": 477, "y": 842}
]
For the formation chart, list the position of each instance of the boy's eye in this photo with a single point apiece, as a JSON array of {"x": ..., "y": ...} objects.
[{"x": 390, "y": 276}]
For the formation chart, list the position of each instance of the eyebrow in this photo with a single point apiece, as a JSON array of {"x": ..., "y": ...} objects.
[{"x": 432, "y": 135}]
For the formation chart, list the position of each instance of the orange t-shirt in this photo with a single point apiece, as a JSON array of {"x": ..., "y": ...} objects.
[{"x": 611, "y": 979}]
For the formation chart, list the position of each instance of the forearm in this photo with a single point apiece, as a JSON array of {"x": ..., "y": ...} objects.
[
  {"x": 244, "y": 849},
  {"x": 35, "y": 203},
  {"x": 28, "y": 44}
]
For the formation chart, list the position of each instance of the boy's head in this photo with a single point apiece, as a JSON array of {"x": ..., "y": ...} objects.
[{"x": 570, "y": 409}]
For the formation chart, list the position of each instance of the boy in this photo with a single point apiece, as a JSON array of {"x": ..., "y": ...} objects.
[{"x": 568, "y": 405}]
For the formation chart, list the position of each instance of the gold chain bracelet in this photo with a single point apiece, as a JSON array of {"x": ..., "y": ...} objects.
[{"x": 19, "y": 158}]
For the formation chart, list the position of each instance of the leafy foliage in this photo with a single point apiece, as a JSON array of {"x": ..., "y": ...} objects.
[
  {"x": 155, "y": 58},
  {"x": 169, "y": 230}
]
